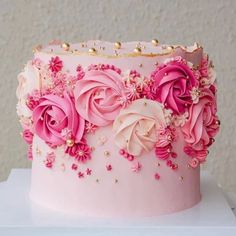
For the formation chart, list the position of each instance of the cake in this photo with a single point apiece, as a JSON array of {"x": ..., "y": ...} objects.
[{"x": 117, "y": 129}]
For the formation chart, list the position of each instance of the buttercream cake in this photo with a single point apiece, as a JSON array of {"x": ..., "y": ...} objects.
[{"x": 117, "y": 129}]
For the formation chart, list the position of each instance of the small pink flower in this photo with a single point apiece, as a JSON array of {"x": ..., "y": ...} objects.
[
  {"x": 55, "y": 64},
  {"x": 74, "y": 166},
  {"x": 28, "y": 136},
  {"x": 88, "y": 171},
  {"x": 136, "y": 167},
  {"x": 90, "y": 128},
  {"x": 32, "y": 102},
  {"x": 50, "y": 159},
  {"x": 81, "y": 175},
  {"x": 109, "y": 167}
]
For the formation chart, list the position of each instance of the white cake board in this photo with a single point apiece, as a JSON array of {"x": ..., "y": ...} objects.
[{"x": 19, "y": 216}]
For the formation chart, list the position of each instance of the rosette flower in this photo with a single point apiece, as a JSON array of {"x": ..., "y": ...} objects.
[
  {"x": 202, "y": 123},
  {"x": 28, "y": 80},
  {"x": 173, "y": 82},
  {"x": 53, "y": 116},
  {"x": 99, "y": 96},
  {"x": 136, "y": 126}
]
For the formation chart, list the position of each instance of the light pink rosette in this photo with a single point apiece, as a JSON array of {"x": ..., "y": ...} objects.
[
  {"x": 202, "y": 123},
  {"x": 28, "y": 81},
  {"x": 136, "y": 126},
  {"x": 99, "y": 96},
  {"x": 173, "y": 82},
  {"x": 53, "y": 116}
]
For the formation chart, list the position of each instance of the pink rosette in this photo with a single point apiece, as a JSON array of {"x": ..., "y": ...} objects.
[
  {"x": 173, "y": 82},
  {"x": 53, "y": 116},
  {"x": 99, "y": 96},
  {"x": 202, "y": 124}
]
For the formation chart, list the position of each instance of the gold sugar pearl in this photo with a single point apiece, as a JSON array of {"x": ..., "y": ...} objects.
[
  {"x": 170, "y": 47},
  {"x": 66, "y": 46},
  {"x": 181, "y": 178},
  {"x": 92, "y": 51},
  {"x": 70, "y": 142},
  {"x": 138, "y": 50},
  {"x": 116, "y": 180},
  {"x": 97, "y": 180},
  {"x": 106, "y": 153},
  {"x": 117, "y": 45},
  {"x": 155, "y": 42}
]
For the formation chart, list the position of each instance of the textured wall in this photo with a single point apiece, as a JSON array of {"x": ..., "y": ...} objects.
[{"x": 24, "y": 23}]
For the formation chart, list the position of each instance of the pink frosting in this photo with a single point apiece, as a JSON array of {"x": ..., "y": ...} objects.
[
  {"x": 99, "y": 96},
  {"x": 201, "y": 124},
  {"x": 53, "y": 116},
  {"x": 28, "y": 136},
  {"x": 136, "y": 126},
  {"x": 173, "y": 82}
]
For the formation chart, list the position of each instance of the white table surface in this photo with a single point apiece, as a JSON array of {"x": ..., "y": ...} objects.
[{"x": 19, "y": 216}]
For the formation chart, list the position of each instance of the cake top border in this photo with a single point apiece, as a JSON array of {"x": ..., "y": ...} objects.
[{"x": 114, "y": 49}]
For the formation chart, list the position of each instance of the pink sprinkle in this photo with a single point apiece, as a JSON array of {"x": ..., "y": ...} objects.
[
  {"x": 173, "y": 155},
  {"x": 109, "y": 167},
  {"x": 157, "y": 176},
  {"x": 169, "y": 163},
  {"x": 174, "y": 166},
  {"x": 81, "y": 175},
  {"x": 136, "y": 167},
  {"x": 130, "y": 157},
  {"x": 88, "y": 171},
  {"x": 74, "y": 167},
  {"x": 122, "y": 151}
]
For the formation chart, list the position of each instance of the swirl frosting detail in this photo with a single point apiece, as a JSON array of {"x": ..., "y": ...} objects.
[
  {"x": 99, "y": 96},
  {"x": 53, "y": 116},
  {"x": 136, "y": 126},
  {"x": 173, "y": 82}
]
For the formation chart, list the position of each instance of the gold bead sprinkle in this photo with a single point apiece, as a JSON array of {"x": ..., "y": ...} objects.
[
  {"x": 70, "y": 142},
  {"x": 181, "y": 178},
  {"x": 66, "y": 46},
  {"x": 116, "y": 180},
  {"x": 140, "y": 65},
  {"x": 117, "y": 45},
  {"x": 92, "y": 51},
  {"x": 97, "y": 180},
  {"x": 155, "y": 42},
  {"x": 138, "y": 50},
  {"x": 170, "y": 47},
  {"x": 106, "y": 153}
]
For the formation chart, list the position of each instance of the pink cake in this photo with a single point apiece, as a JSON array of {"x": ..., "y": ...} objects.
[{"x": 117, "y": 129}]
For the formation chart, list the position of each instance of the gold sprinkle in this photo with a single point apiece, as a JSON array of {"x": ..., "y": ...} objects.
[
  {"x": 106, "y": 153},
  {"x": 155, "y": 42},
  {"x": 145, "y": 104},
  {"x": 138, "y": 50},
  {"x": 70, "y": 142},
  {"x": 116, "y": 53},
  {"x": 92, "y": 51},
  {"x": 170, "y": 47},
  {"x": 158, "y": 164},
  {"x": 66, "y": 46},
  {"x": 117, "y": 45},
  {"x": 97, "y": 180},
  {"x": 140, "y": 65},
  {"x": 116, "y": 180},
  {"x": 181, "y": 178},
  {"x": 156, "y": 64}
]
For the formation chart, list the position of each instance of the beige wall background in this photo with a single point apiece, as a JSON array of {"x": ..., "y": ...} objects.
[{"x": 25, "y": 23}]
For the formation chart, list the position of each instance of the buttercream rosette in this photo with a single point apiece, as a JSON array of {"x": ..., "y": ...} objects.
[
  {"x": 55, "y": 119},
  {"x": 28, "y": 80},
  {"x": 202, "y": 124},
  {"x": 172, "y": 83},
  {"x": 136, "y": 126},
  {"x": 99, "y": 96}
]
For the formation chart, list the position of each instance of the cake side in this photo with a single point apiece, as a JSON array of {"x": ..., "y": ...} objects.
[{"x": 120, "y": 128}]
